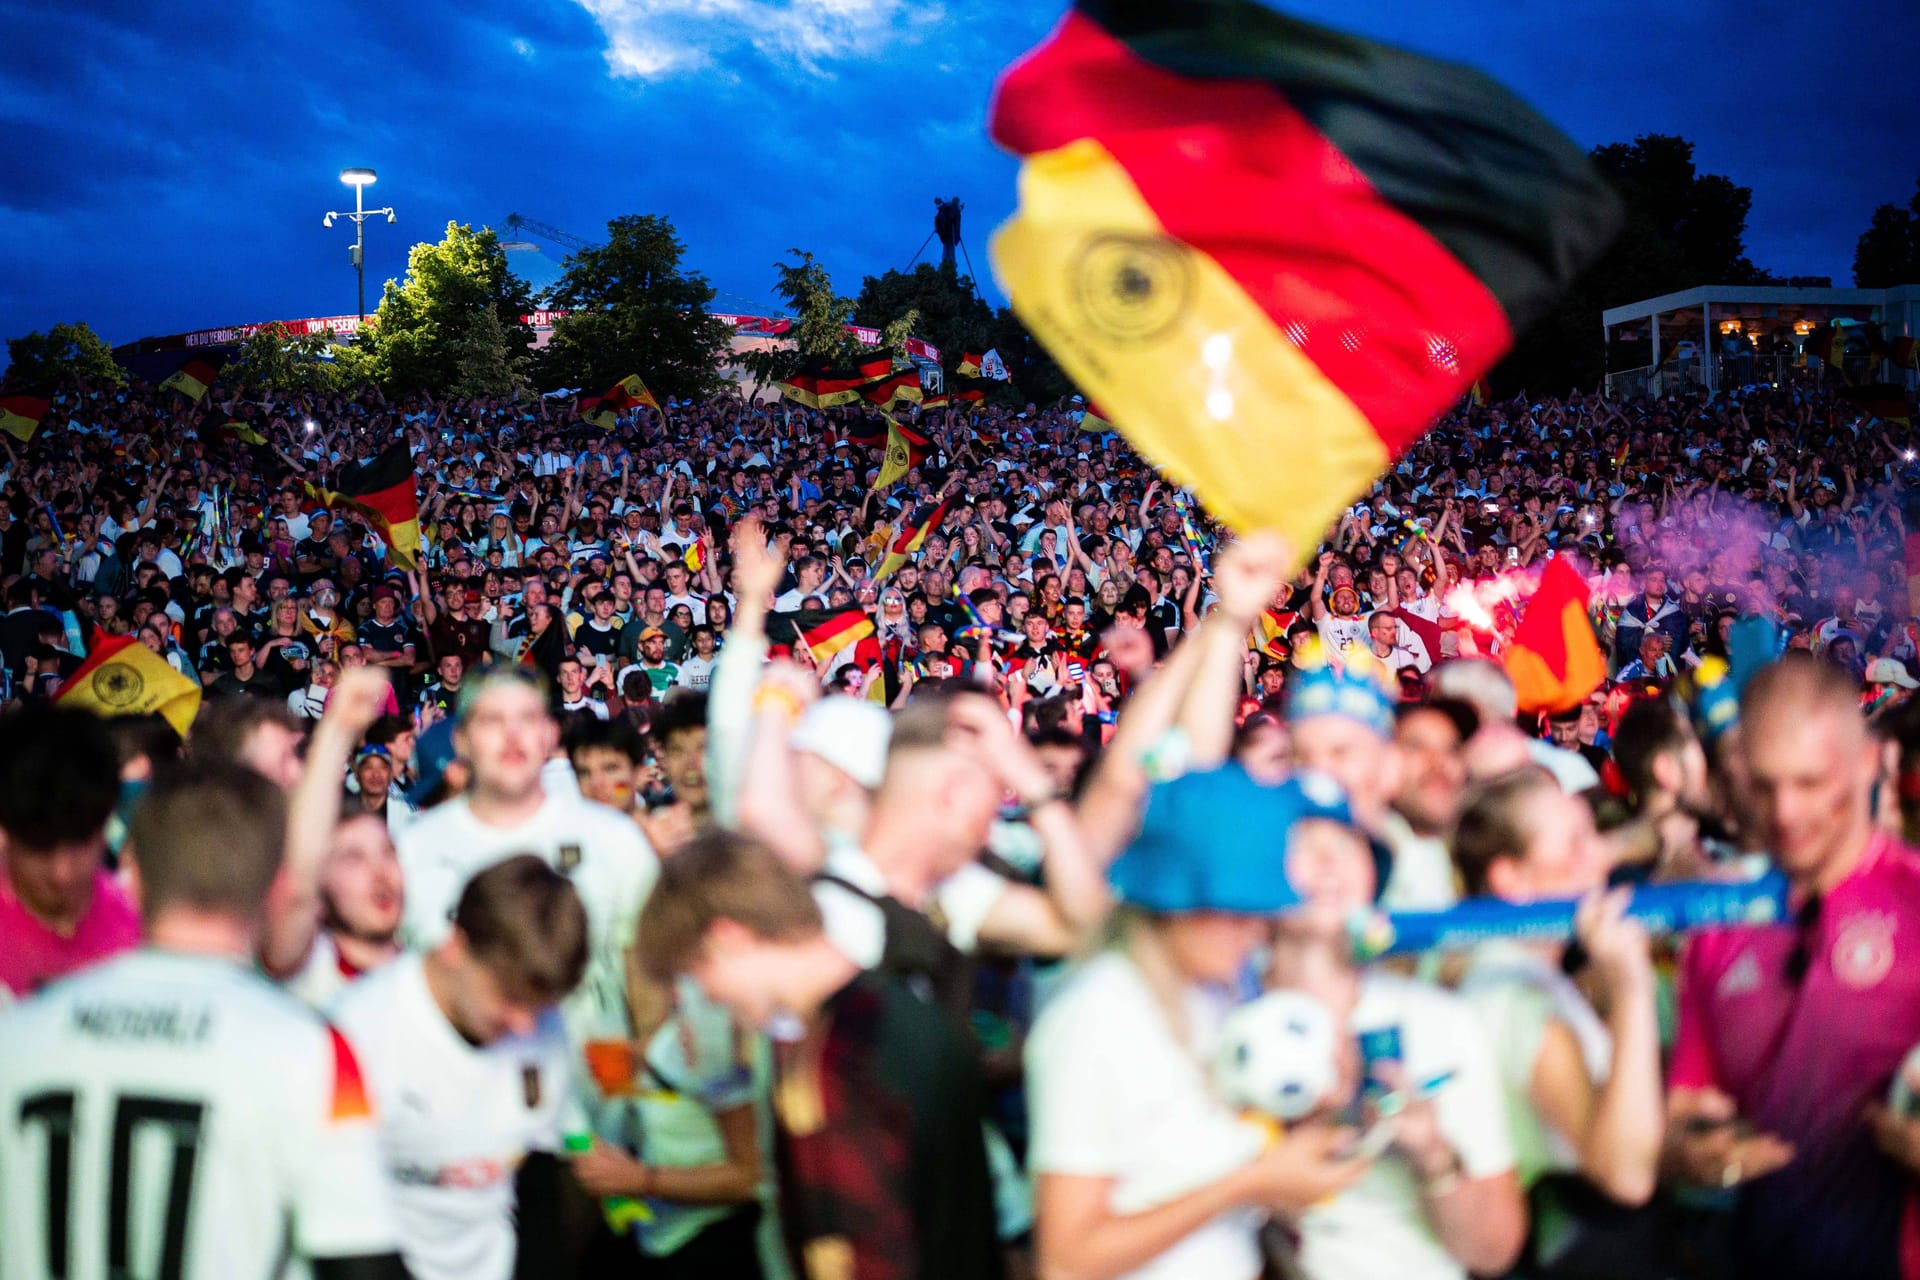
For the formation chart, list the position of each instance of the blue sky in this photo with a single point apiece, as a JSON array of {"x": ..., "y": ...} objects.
[{"x": 168, "y": 164}]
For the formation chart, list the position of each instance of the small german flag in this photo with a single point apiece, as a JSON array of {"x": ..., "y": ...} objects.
[
  {"x": 1269, "y": 634},
  {"x": 913, "y": 533},
  {"x": 1095, "y": 421},
  {"x": 898, "y": 385},
  {"x": 1829, "y": 343},
  {"x": 968, "y": 392},
  {"x": 242, "y": 431},
  {"x": 906, "y": 449},
  {"x": 1620, "y": 454},
  {"x": 604, "y": 411},
  {"x": 1554, "y": 660},
  {"x": 1884, "y": 400},
  {"x": 1478, "y": 393},
  {"x": 122, "y": 677},
  {"x": 383, "y": 491},
  {"x": 194, "y": 377},
  {"x": 824, "y": 631},
  {"x": 1430, "y": 216},
  {"x": 932, "y": 400},
  {"x": 819, "y": 386},
  {"x": 20, "y": 415},
  {"x": 970, "y": 365},
  {"x": 696, "y": 556}
]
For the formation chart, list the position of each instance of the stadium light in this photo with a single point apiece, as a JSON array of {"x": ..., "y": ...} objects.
[{"x": 359, "y": 180}]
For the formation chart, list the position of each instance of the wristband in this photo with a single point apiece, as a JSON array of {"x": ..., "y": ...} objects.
[{"x": 773, "y": 697}]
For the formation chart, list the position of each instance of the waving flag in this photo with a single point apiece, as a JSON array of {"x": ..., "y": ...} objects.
[
  {"x": 1429, "y": 215},
  {"x": 696, "y": 556},
  {"x": 1478, "y": 393},
  {"x": 122, "y": 677},
  {"x": 193, "y": 378},
  {"x": 824, "y": 631},
  {"x": 897, "y": 385},
  {"x": 1555, "y": 661},
  {"x": 604, "y": 411},
  {"x": 1884, "y": 400},
  {"x": 20, "y": 415},
  {"x": 906, "y": 449},
  {"x": 383, "y": 491},
  {"x": 970, "y": 364},
  {"x": 911, "y": 536},
  {"x": 934, "y": 400},
  {"x": 819, "y": 386}
]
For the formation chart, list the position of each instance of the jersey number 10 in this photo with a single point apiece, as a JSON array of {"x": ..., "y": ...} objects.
[{"x": 180, "y": 1120}]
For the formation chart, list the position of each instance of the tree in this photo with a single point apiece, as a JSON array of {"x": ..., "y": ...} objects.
[
  {"x": 949, "y": 312},
  {"x": 1888, "y": 251},
  {"x": 820, "y": 333},
  {"x": 634, "y": 309},
  {"x": 274, "y": 358},
  {"x": 459, "y": 296},
  {"x": 1682, "y": 228},
  {"x": 64, "y": 353}
]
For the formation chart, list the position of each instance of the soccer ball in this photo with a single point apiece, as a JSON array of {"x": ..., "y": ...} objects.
[
  {"x": 1903, "y": 1098},
  {"x": 1275, "y": 1055}
]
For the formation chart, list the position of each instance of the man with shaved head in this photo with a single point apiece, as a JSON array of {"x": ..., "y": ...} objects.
[{"x": 1789, "y": 1032}]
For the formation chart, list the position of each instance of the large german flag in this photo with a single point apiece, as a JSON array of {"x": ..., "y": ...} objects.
[
  {"x": 966, "y": 391},
  {"x": 820, "y": 386},
  {"x": 20, "y": 415},
  {"x": 897, "y": 385},
  {"x": 383, "y": 491},
  {"x": 868, "y": 433},
  {"x": 193, "y": 377},
  {"x": 1555, "y": 661},
  {"x": 825, "y": 631},
  {"x": 906, "y": 449},
  {"x": 912, "y": 534},
  {"x": 604, "y": 411},
  {"x": 932, "y": 400},
  {"x": 1277, "y": 252},
  {"x": 1884, "y": 400}
]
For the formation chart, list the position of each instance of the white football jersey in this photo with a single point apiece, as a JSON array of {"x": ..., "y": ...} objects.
[
  {"x": 598, "y": 848},
  {"x": 177, "y": 1117},
  {"x": 456, "y": 1119}
]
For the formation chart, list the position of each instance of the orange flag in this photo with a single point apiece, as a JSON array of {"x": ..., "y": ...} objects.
[{"x": 1555, "y": 661}]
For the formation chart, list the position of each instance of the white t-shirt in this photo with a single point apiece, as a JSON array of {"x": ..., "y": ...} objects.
[
  {"x": 697, "y": 672},
  {"x": 963, "y": 898},
  {"x": 1112, "y": 1094},
  {"x": 1376, "y": 1229},
  {"x": 456, "y": 1120},
  {"x": 597, "y": 847},
  {"x": 235, "y": 1097},
  {"x": 1340, "y": 634}
]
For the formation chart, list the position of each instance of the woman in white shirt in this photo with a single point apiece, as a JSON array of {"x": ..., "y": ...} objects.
[
  {"x": 1582, "y": 1091},
  {"x": 1141, "y": 1170}
]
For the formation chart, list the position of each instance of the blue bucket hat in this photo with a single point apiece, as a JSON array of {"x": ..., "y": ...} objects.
[
  {"x": 1216, "y": 841},
  {"x": 1356, "y": 687}
]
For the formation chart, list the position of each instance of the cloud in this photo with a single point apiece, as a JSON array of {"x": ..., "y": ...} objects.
[
  {"x": 523, "y": 47},
  {"x": 656, "y": 39}
]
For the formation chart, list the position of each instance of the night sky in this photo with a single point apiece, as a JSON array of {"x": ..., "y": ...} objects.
[{"x": 167, "y": 164}]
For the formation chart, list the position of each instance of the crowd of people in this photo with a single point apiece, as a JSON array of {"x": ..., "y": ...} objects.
[{"x": 697, "y": 861}]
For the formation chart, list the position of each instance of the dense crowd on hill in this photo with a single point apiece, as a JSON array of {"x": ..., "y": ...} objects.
[{"x": 848, "y": 882}]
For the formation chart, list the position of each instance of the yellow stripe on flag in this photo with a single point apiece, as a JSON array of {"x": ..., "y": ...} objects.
[
  {"x": 1199, "y": 379},
  {"x": 125, "y": 678},
  {"x": 899, "y": 458}
]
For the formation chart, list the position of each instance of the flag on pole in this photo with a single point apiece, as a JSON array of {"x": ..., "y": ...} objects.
[
  {"x": 193, "y": 377},
  {"x": 1478, "y": 393},
  {"x": 122, "y": 677},
  {"x": 825, "y": 631},
  {"x": 970, "y": 365},
  {"x": 934, "y": 400},
  {"x": 994, "y": 368},
  {"x": 1555, "y": 661},
  {"x": 911, "y": 535},
  {"x": 20, "y": 415},
  {"x": 906, "y": 449},
  {"x": 897, "y": 385},
  {"x": 383, "y": 491},
  {"x": 1430, "y": 216}
]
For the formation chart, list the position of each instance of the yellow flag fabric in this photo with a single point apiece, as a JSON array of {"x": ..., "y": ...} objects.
[
  {"x": 899, "y": 459},
  {"x": 122, "y": 677}
]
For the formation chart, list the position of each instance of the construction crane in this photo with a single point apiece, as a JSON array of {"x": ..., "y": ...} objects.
[{"x": 517, "y": 224}]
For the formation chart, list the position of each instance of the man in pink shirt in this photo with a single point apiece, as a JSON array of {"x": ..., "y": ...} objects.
[
  {"x": 59, "y": 907},
  {"x": 1789, "y": 1034}
]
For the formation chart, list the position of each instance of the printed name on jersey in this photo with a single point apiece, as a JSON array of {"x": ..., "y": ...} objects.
[
  {"x": 170, "y": 1022},
  {"x": 474, "y": 1174}
]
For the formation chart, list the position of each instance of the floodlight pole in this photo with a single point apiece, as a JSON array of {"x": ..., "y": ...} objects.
[{"x": 359, "y": 180}]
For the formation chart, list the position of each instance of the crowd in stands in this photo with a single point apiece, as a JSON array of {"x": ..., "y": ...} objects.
[{"x": 708, "y": 863}]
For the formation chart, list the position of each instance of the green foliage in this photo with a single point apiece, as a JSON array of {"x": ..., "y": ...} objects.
[
  {"x": 455, "y": 320},
  {"x": 634, "y": 310},
  {"x": 820, "y": 331},
  {"x": 949, "y": 312},
  {"x": 1888, "y": 251},
  {"x": 64, "y": 353},
  {"x": 281, "y": 361},
  {"x": 1683, "y": 228}
]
